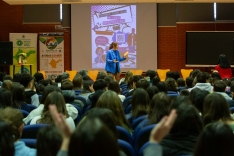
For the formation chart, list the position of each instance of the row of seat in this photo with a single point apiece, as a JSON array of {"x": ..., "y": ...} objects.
[{"x": 131, "y": 145}]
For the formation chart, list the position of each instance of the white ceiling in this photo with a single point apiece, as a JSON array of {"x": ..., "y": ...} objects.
[{"x": 22, "y": 2}]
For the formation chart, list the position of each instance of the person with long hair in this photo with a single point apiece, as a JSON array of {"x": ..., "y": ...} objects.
[
  {"x": 159, "y": 107},
  {"x": 54, "y": 98},
  {"x": 224, "y": 67},
  {"x": 5, "y": 98},
  {"x": 215, "y": 108},
  {"x": 18, "y": 97},
  {"x": 15, "y": 119},
  {"x": 6, "y": 139},
  {"x": 125, "y": 80},
  {"x": 216, "y": 139},
  {"x": 72, "y": 111},
  {"x": 113, "y": 60},
  {"x": 110, "y": 100}
]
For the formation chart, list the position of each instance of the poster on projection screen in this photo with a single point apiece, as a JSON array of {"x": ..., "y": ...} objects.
[{"x": 113, "y": 23}]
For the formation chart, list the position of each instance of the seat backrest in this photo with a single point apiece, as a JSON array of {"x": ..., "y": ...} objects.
[
  {"x": 72, "y": 74},
  {"x": 25, "y": 113},
  {"x": 30, "y": 142},
  {"x": 123, "y": 134},
  {"x": 93, "y": 74},
  {"x": 185, "y": 72},
  {"x": 79, "y": 116},
  {"x": 126, "y": 148},
  {"x": 231, "y": 109},
  {"x": 136, "y": 121},
  {"x": 125, "y": 102},
  {"x": 30, "y": 131},
  {"x": 141, "y": 137},
  {"x": 43, "y": 73},
  {"x": 128, "y": 109},
  {"x": 125, "y": 92},
  {"x": 162, "y": 73},
  {"x": 140, "y": 153},
  {"x": 136, "y": 72},
  {"x": 81, "y": 99},
  {"x": 32, "y": 107}
]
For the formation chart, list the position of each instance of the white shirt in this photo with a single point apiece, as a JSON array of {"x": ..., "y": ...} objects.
[
  {"x": 69, "y": 121},
  {"x": 72, "y": 111}
]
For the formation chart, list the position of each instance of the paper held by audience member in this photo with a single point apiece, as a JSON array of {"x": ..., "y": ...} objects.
[{"x": 126, "y": 54}]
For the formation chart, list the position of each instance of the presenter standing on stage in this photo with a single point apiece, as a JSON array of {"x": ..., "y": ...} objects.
[{"x": 113, "y": 59}]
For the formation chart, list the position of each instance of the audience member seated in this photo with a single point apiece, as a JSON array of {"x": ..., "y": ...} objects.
[
  {"x": 152, "y": 90},
  {"x": 171, "y": 86},
  {"x": 7, "y": 77},
  {"x": 18, "y": 97},
  {"x": 184, "y": 92},
  {"x": 189, "y": 82},
  {"x": 159, "y": 107},
  {"x": 15, "y": 118},
  {"x": 77, "y": 82},
  {"x": 215, "y": 74},
  {"x": 5, "y": 98},
  {"x": 183, "y": 136},
  {"x": 97, "y": 85},
  {"x": 125, "y": 80},
  {"x": 38, "y": 77},
  {"x": 216, "y": 139},
  {"x": 133, "y": 84},
  {"x": 6, "y": 139},
  {"x": 162, "y": 87},
  {"x": 7, "y": 84},
  {"x": 87, "y": 89},
  {"x": 172, "y": 74},
  {"x": 220, "y": 87},
  {"x": 142, "y": 83},
  {"x": 58, "y": 80},
  {"x": 93, "y": 137},
  {"x": 49, "y": 141},
  {"x": 140, "y": 104},
  {"x": 114, "y": 86},
  {"x": 72, "y": 111},
  {"x": 69, "y": 94},
  {"x": 106, "y": 116},
  {"x": 202, "y": 83},
  {"x": 197, "y": 97},
  {"x": 110, "y": 100},
  {"x": 54, "y": 98},
  {"x": 216, "y": 109},
  {"x": 108, "y": 79},
  {"x": 151, "y": 74},
  {"x": 181, "y": 84},
  {"x": 83, "y": 73},
  {"x": 28, "y": 82},
  {"x": 16, "y": 77},
  {"x": 39, "y": 89},
  {"x": 101, "y": 75},
  {"x": 156, "y": 80}
]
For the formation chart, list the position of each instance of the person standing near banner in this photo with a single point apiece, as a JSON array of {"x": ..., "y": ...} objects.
[{"x": 112, "y": 60}]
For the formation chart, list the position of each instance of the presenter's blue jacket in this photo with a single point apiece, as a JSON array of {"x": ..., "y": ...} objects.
[{"x": 113, "y": 67}]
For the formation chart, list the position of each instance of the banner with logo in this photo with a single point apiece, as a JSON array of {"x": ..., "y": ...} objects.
[
  {"x": 25, "y": 45},
  {"x": 52, "y": 53}
]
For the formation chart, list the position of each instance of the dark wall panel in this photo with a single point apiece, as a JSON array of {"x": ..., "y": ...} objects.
[
  {"x": 49, "y": 13},
  {"x": 195, "y": 12},
  {"x": 224, "y": 11},
  {"x": 166, "y": 14},
  {"x": 66, "y": 21}
]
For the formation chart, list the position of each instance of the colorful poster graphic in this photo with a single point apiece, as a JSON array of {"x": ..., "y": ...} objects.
[
  {"x": 24, "y": 44},
  {"x": 52, "y": 53},
  {"x": 113, "y": 23}
]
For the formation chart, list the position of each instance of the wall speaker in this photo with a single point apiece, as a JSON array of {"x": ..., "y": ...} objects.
[{"x": 6, "y": 53}]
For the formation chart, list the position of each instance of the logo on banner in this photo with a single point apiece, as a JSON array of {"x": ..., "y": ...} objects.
[
  {"x": 51, "y": 43},
  {"x": 19, "y": 43}
]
